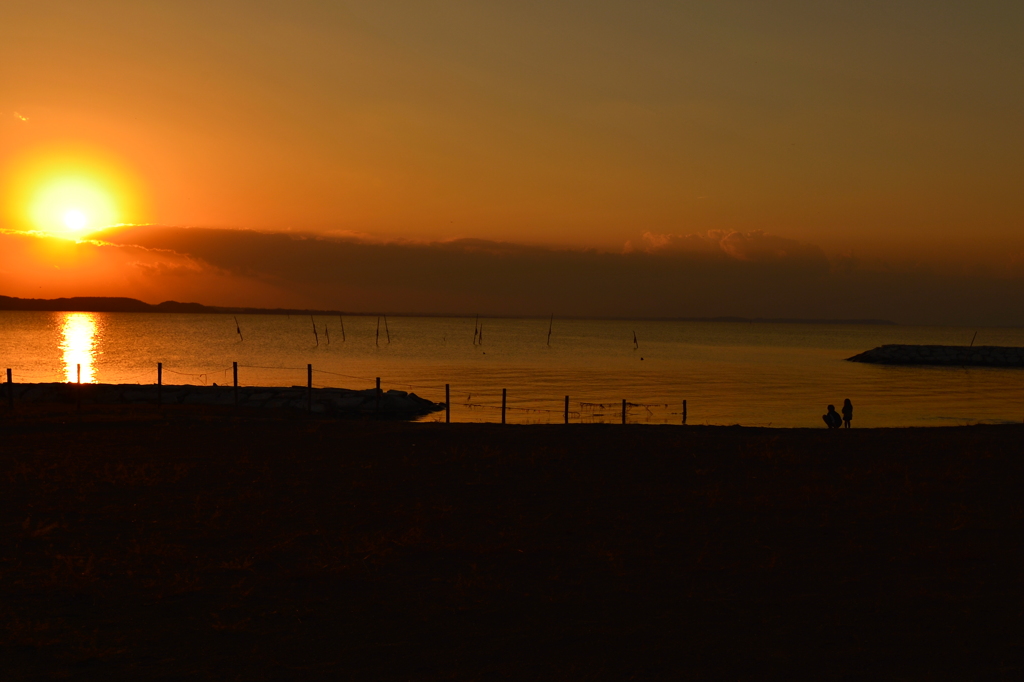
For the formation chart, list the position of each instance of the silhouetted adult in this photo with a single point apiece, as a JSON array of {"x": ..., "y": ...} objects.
[
  {"x": 832, "y": 418},
  {"x": 847, "y": 412}
]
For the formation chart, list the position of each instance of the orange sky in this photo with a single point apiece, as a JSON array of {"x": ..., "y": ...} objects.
[{"x": 873, "y": 129}]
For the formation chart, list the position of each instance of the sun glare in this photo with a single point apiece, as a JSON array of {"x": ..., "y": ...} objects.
[
  {"x": 70, "y": 205},
  {"x": 69, "y": 193}
]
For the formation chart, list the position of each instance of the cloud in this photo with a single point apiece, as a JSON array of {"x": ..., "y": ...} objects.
[
  {"x": 754, "y": 247},
  {"x": 706, "y": 275},
  {"x": 40, "y": 266}
]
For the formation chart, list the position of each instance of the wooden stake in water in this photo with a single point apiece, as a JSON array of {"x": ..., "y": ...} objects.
[
  {"x": 10, "y": 389},
  {"x": 636, "y": 345},
  {"x": 327, "y": 332},
  {"x": 566, "y": 409},
  {"x": 234, "y": 371},
  {"x": 476, "y": 327},
  {"x": 238, "y": 329},
  {"x": 447, "y": 404},
  {"x": 342, "y": 320},
  {"x": 684, "y": 412},
  {"x": 309, "y": 388},
  {"x": 386, "y": 330},
  {"x": 377, "y": 341},
  {"x": 159, "y": 383},
  {"x": 315, "y": 335},
  {"x": 623, "y": 410},
  {"x": 504, "y": 394},
  {"x": 551, "y": 323}
]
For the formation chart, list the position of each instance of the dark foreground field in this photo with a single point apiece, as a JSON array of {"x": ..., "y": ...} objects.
[{"x": 209, "y": 545}]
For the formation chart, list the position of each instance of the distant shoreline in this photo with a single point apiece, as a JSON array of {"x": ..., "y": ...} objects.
[{"x": 108, "y": 304}]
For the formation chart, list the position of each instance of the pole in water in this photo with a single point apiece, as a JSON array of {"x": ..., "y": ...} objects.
[
  {"x": 376, "y": 407},
  {"x": 684, "y": 412},
  {"x": 238, "y": 329},
  {"x": 551, "y": 322},
  {"x": 342, "y": 320},
  {"x": 377, "y": 341},
  {"x": 386, "y": 330},
  {"x": 504, "y": 394},
  {"x": 566, "y": 409},
  {"x": 972, "y": 340},
  {"x": 234, "y": 371},
  {"x": 315, "y": 335},
  {"x": 636, "y": 345},
  {"x": 327, "y": 332},
  {"x": 476, "y": 327},
  {"x": 79, "y": 366},
  {"x": 159, "y": 383},
  {"x": 10, "y": 389},
  {"x": 309, "y": 388},
  {"x": 447, "y": 404},
  {"x": 623, "y": 410}
]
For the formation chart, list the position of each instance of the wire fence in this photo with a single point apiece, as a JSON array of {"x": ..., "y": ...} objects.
[{"x": 523, "y": 406}]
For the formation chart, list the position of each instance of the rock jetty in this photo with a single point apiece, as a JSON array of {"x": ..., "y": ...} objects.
[
  {"x": 963, "y": 356},
  {"x": 332, "y": 401}
]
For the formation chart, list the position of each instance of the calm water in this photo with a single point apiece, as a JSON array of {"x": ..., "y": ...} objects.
[{"x": 729, "y": 373}]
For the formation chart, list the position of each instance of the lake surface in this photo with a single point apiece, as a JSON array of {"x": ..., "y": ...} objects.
[{"x": 752, "y": 374}]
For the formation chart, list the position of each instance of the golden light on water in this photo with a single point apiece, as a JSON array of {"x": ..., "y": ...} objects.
[{"x": 78, "y": 342}]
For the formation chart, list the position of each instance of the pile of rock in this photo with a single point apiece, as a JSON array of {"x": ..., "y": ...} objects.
[
  {"x": 980, "y": 356},
  {"x": 336, "y": 401}
]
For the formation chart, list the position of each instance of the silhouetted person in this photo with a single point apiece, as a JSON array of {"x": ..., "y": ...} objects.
[
  {"x": 847, "y": 412},
  {"x": 832, "y": 418}
]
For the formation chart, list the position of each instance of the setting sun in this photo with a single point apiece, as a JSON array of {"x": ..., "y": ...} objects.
[
  {"x": 72, "y": 205},
  {"x": 69, "y": 193},
  {"x": 75, "y": 220}
]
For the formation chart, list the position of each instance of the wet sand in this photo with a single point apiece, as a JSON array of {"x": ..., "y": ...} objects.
[{"x": 217, "y": 544}]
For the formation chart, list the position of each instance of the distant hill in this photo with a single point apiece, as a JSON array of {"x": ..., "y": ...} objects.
[{"x": 105, "y": 304}]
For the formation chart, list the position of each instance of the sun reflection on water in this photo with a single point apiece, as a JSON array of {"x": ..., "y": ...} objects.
[{"x": 79, "y": 345}]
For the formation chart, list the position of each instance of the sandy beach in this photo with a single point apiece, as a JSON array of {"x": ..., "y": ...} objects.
[{"x": 212, "y": 543}]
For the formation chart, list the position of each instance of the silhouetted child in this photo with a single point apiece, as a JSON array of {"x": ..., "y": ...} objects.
[
  {"x": 847, "y": 412},
  {"x": 832, "y": 418}
]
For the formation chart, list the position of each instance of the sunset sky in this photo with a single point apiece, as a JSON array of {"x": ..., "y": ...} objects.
[{"x": 766, "y": 156}]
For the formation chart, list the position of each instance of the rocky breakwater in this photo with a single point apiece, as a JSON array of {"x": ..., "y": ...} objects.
[
  {"x": 962, "y": 356},
  {"x": 333, "y": 401}
]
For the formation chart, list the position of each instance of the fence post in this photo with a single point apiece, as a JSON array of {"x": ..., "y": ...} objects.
[
  {"x": 10, "y": 389},
  {"x": 684, "y": 413},
  {"x": 504, "y": 395},
  {"x": 309, "y": 388},
  {"x": 566, "y": 409},
  {"x": 623, "y": 410},
  {"x": 447, "y": 404},
  {"x": 234, "y": 372},
  {"x": 159, "y": 383},
  {"x": 376, "y": 407}
]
